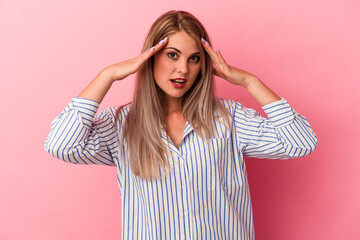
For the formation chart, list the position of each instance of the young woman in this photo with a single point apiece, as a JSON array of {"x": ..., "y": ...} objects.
[{"x": 179, "y": 151}]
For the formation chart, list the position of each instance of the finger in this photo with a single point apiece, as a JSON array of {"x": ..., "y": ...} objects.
[
  {"x": 221, "y": 58},
  {"x": 219, "y": 64},
  {"x": 151, "y": 51},
  {"x": 215, "y": 58},
  {"x": 142, "y": 58},
  {"x": 208, "y": 49},
  {"x": 221, "y": 61}
]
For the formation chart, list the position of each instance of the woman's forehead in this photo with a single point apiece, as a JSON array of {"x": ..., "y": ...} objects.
[{"x": 183, "y": 42}]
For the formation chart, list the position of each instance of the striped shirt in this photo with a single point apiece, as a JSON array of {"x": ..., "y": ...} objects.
[{"x": 207, "y": 194}]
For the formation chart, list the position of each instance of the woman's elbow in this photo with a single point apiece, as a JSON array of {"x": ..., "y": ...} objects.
[
  {"x": 302, "y": 151},
  {"x": 59, "y": 153}
]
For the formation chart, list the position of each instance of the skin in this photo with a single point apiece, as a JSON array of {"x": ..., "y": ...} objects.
[
  {"x": 181, "y": 65},
  {"x": 250, "y": 82},
  {"x": 180, "y": 58}
]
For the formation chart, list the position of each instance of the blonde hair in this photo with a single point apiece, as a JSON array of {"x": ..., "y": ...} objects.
[{"x": 143, "y": 125}]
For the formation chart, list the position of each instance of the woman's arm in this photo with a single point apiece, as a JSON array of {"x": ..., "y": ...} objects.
[
  {"x": 78, "y": 134},
  {"x": 284, "y": 134},
  {"x": 262, "y": 94},
  {"x": 98, "y": 88}
]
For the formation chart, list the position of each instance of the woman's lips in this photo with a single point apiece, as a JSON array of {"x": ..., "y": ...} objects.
[{"x": 178, "y": 82}]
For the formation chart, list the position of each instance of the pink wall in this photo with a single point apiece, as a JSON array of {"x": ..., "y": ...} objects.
[{"x": 306, "y": 51}]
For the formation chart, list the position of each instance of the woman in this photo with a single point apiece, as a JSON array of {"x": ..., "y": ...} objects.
[{"x": 179, "y": 151}]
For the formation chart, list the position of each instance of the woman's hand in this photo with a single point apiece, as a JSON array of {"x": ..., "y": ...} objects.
[
  {"x": 262, "y": 94},
  {"x": 224, "y": 70},
  {"x": 119, "y": 71},
  {"x": 98, "y": 88}
]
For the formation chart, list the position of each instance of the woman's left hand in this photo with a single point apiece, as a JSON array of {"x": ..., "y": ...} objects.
[
  {"x": 253, "y": 85},
  {"x": 224, "y": 70}
]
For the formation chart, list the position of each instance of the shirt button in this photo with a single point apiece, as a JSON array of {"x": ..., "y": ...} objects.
[{"x": 186, "y": 213}]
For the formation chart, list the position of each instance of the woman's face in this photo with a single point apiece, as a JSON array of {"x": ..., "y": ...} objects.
[{"x": 177, "y": 65}]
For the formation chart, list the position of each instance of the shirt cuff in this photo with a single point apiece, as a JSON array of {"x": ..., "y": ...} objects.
[
  {"x": 279, "y": 113},
  {"x": 86, "y": 108}
]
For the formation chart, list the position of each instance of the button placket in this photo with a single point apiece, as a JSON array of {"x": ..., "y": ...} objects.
[{"x": 184, "y": 191}]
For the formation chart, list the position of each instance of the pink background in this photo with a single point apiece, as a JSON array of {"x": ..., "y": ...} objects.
[{"x": 307, "y": 51}]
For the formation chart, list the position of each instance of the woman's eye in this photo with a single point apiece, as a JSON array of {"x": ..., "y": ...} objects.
[
  {"x": 194, "y": 58},
  {"x": 172, "y": 55}
]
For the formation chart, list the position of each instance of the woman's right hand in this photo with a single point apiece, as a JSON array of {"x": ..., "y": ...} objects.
[
  {"x": 98, "y": 88},
  {"x": 119, "y": 71}
]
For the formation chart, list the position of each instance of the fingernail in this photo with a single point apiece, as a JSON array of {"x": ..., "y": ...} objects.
[
  {"x": 152, "y": 49},
  {"x": 162, "y": 41},
  {"x": 204, "y": 41},
  {"x": 219, "y": 50}
]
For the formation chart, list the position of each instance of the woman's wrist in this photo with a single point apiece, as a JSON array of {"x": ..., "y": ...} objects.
[
  {"x": 107, "y": 74},
  {"x": 98, "y": 88},
  {"x": 262, "y": 94},
  {"x": 240, "y": 77}
]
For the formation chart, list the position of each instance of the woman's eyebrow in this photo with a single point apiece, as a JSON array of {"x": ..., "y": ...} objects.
[{"x": 177, "y": 50}]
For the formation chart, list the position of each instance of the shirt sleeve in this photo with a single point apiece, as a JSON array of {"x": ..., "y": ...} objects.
[
  {"x": 80, "y": 136},
  {"x": 284, "y": 134}
]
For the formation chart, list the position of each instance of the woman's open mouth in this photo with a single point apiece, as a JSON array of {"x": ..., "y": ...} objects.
[{"x": 178, "y": 82}]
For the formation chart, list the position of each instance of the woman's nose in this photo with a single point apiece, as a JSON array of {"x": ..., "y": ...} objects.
[{"x": 182, "y": 66}]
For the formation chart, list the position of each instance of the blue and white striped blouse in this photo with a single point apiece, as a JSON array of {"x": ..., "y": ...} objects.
[{"x": 207, "y": 195}]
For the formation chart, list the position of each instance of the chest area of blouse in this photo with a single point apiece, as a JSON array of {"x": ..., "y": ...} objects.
[
  {"x": 203, "y": 166},
  {"x": 191, "y": 149}
]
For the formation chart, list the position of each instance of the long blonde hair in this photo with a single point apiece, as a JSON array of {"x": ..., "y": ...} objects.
[{"x": 143, "y": 125}]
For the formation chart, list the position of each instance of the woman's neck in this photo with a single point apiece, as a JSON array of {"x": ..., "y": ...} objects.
[{"x": 172, "y": 105}]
